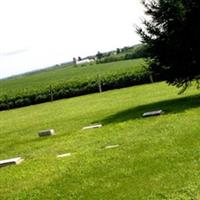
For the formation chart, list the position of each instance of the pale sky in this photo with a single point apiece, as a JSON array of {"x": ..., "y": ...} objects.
[{"x": 39, "y": 33}]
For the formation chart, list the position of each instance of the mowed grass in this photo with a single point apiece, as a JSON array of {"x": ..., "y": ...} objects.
[
  {"x": 157, "y": 157},
  {"x": 65, "y": 74}
]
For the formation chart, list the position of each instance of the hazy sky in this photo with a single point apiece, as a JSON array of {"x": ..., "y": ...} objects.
[{"x": 40, "y": 33}]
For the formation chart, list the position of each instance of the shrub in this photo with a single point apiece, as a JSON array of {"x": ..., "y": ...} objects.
[
  {"x": 4, "y": 106},
  {"x": 41, "y": 98},
  {"x": 19, "y": 102}
]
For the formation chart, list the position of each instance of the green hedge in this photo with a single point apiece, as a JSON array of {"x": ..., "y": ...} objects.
[
  {"x": 127, "y": 54},
  {"x": 74, "y": 89}
]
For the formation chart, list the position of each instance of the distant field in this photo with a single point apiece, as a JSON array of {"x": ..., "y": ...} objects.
[
  {"x": 69, "y": 81},
  {"x": 157, "y": 158},
  {"x": 43, "y": 80}
]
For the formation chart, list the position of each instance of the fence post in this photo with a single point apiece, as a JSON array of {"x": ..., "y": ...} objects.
[
  {"x": 99, "y": 83},
  {"x": 51, "y": 93},
  {"x": 6, "y": 101},
  {"x": 151, "y": 78}
]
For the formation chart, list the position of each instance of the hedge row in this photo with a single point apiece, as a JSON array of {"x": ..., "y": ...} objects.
[
  {"x": 138, "y": 52},
  {"x": 74, "y": 89},
  {"x": 128, "y": 56}
]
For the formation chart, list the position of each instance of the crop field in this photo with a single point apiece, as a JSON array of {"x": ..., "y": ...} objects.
[
  {"x": 155, "y": 158},
  {"x": 65, "y": 74},
  {"x": 70, "y": 81}
]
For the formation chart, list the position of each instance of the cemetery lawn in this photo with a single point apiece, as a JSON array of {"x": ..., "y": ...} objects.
[{"x": 157, "y": 157}]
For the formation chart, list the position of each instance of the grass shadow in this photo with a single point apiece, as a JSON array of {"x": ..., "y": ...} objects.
[
  {"x": 37, "y": 140},
  {"x": 168, "y": 106}
]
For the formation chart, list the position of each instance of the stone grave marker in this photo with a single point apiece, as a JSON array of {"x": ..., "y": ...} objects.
[
  {"x": 153, "y": 113},
  {"x": 112, "y": 146},
  {"x": 64, "y": 155},
  {"x": 12, "y": 161},
  {"x": 92, "y": 126},
  {"x": 44, "y": 133}
]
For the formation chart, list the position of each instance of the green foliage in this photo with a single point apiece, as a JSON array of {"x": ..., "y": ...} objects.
[
  {"x": 99, "y": 55},
  {"x": 41, "y": 98},
  {"x": 126, "y": 53},
  {"x": 172, "y": 36},
  {"x": 62, "y": 75},
  {"x": 35, "y": 88},
  {"x": 118, "y": 50},
  {"x": 72, "y": 89}
]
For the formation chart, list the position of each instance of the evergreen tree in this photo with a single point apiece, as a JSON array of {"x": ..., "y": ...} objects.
[{"x": 172, "y": 35}]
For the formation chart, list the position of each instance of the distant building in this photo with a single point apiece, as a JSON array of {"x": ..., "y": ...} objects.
[{"x": 82, "y": 61}]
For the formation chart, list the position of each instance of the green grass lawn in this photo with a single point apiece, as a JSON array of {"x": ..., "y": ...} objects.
[
  {"x": 65, "y": 74},
  {"x": 158, "y": 157}
]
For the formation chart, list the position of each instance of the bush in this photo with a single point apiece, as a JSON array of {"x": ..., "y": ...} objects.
[
  {"x": 19, "y": 102},
  {"x": 4, "y": 106},
  {"x": 41, "y": 98}
]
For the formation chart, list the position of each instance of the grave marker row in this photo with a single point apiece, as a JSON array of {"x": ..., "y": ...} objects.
[{"x": 51, "y": 132}]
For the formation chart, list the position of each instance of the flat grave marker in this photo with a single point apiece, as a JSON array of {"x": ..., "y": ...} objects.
[
  {"x": 112, "y": 146},
  {"x": 92, "y": 126},
  {"x": 64, "y": 155},
  {"x": 48, "y": 132},
  {"x": 12, "y": 161},
  {"x": 152, "y": 113}
]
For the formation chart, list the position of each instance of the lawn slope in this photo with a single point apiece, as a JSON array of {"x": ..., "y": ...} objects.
[{"x": 158, "y": 157}]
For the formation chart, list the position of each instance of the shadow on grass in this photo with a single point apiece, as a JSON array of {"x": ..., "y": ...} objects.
[
  {"x": 169, "y": 107},
  {"x": 37, "y": 140}
]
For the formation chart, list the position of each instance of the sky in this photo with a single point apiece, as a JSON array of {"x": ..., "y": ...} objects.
[{"x": 35, "y": 34}]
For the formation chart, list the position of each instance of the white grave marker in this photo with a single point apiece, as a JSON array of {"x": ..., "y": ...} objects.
[
  {"x": 12, "y": 161},
  {"x": 112, "y": 146},
  {"x": 49, "y": 132},
  {"x": 93, "y": 126},
  {"x": 64, "y": 155},
  {"x": 153, "y": 113}
]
